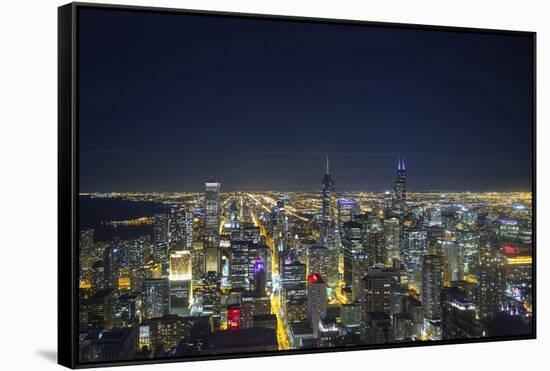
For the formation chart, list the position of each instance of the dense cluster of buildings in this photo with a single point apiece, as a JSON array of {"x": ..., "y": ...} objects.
[{"x": 246, "y": 272}]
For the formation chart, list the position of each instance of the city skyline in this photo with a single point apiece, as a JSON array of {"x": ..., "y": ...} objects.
[
  {"x": 271, "y": 186},
  {"x": 197, "y": 187},
  {"x": 263, "y": 272}
]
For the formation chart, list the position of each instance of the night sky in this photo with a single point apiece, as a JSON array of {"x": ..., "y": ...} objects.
[{"x": 168, "y": 101}]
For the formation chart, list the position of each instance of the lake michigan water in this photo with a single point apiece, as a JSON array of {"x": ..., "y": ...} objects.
[{"x": 93, "y": 211}]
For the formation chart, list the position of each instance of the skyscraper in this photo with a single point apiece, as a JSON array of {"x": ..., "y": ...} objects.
[
  {"x": 259, "y": 271},
  {"x": 352, "y": 245},
  {"x": 281, "y": 230},
  {"x": 252, "y": 305},
  {"x": 180, "y": 264},
  {"x": 374, "y": 240},
  {"x": 116, "y": 264},
  {"x": 160, "y": 232},
  {"x": 188, "y": 229},
  {"x": 347, "y": 209},
  {"x": 211, "y": 297},
  {"x": 96, "y": 310},
  {"x": 108, "y": 345},
  {"x": 375, "y": 296},
  {"x": 316, "y": 301},
  {"x": 392, "y": 233},
  {"x": 181, "y": 226},
  {"x": 212, "y": 209},
  {"x": 243, "y": 242},
  {"x": 126, "y": 310},
  {"x": 259, "y": 276},
  {"x": 453, "y": 264},
  {"x": 492, "y": 284},
  {"x": 86, "y": 258},
  {"x": 239, "y": 265},
  {"x": 318, "y": 261},
  {"x": 432, "y": 283},
  {"x": 377, "y": 285},
  {"x": 414, "y": 247},
  {"x": 294, "y": 272},
  {"x": 359, "y": 265},
  {"x": 98, "y": 276},
  {"x": 328, "y": 199},
  {"x": 211, "y": 259},
  {"x": 155, "y": 297},
  {"x": 198, "y": 259},
  {"x": 180, "y": 279},
  {"x": 400, "y": 187},
  {"x": 388, "y": 203},
  {"x": 379, "y": 328},
  {"x": 139, "y": 250}
]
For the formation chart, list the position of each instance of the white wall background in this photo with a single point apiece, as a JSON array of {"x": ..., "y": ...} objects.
[{"x": 28, "y": 180}]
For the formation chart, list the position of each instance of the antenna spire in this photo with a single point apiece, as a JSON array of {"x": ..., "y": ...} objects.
[{"x": 328, "y": 172}]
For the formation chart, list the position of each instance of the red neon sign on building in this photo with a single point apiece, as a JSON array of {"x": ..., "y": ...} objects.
[
  {"x": 510, "y": 249},
  {"x": 315, "y": 278},
  {"x": 233, "y": 318}
]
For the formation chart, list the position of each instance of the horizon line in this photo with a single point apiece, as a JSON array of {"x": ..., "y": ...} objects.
[{"x": 318, "y": 191}]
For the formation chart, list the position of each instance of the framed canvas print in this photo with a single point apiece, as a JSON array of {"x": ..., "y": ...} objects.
[{"x": 237, "y": 185}]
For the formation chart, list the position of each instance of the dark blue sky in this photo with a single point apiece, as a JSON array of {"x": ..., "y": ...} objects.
[{"x": 168, "y": 101}]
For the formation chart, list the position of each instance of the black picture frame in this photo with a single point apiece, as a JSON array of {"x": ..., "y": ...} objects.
[{"x": 68, "y": 182}]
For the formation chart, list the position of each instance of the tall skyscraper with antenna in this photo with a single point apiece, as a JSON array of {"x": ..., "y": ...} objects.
[
  {"x": 328, "y": 200},
  {"x": 400, "y": 187}
]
